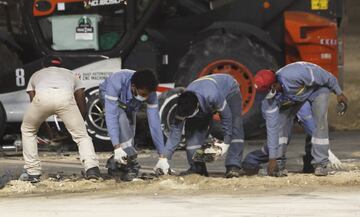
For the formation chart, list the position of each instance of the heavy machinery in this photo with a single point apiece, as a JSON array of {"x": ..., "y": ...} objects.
[{"x": 179, "y": 39}]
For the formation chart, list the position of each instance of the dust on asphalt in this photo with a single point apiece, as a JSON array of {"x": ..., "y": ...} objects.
[{"x": 193, "y": 184}]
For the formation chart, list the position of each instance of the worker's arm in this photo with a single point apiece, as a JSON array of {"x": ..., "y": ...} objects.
[
  {"x": 154, "y": 123},
  {"x": 30, "y": 89},
  {"x": 225, "y": 117},
  {"x": 31, "y": 95},
  {"x": 318, "y": 76},
  {"x": 270, "y": 111},
  {"x": 321, "y": 77},
  {"x": 112, "y": 113},
  {"x": 175, "y": 137},
  {"x": 80, "y": 101}
]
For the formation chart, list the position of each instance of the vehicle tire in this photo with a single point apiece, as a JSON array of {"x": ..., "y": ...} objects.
[
  {"x": 167, "y": 108},
  {"x": 2, "y": 121},
  {"x": 234, "y": 55},
  {"x": 95, "y": 121}
]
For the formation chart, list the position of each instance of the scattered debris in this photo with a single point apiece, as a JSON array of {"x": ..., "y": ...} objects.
[{"x": 149, "y": 184}]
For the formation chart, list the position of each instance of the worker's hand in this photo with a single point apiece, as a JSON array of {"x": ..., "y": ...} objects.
[
  {"x": 120, "y": 156},
  {"x": 335, "y": 163},
  {"x": 342, "y": 98},
  {"x": 219, "y": 149},
  {"x": 162, "y": 166},
  {"x": 272, "y": 167},
  {"x": 81, "y": 102}
]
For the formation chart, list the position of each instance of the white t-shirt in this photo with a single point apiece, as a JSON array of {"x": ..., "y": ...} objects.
[{"x": 54, "y": 78}]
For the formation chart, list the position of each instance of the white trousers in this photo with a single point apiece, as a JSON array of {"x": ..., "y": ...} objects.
[{"x": 62, "y": 103}]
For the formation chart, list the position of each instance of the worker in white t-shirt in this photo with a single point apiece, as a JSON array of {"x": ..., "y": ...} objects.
[{"x": 55, "y": 90}]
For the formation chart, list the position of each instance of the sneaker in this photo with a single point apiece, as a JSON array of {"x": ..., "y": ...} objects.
[
  {"x": 197, "y": 168},
  {"x": 92, "y": 173},
  {"x": 321, "y": 171},
  {"x": 29, "y": 178},
  {"x": 232, "y": 172}
]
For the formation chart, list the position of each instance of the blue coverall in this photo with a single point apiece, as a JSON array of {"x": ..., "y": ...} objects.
[
  {"x": 121, "y": 108},
  {"x": 215, "y": 93},
  {"x": 301, "y": 82}
]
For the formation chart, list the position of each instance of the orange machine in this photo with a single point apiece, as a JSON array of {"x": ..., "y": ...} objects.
[{"x": 312, "y": 38}]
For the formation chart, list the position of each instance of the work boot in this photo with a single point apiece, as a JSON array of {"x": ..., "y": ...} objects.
[
  {"x": 232, "y": 172},
  {"x": 123, "y": 172},
  {"x": 29, "y": 178},
  {"x": 131, "y": 170},
  {"x": 197, "y": 168},
  {"x": 307, "y": 166},
  {"x": 321, "y": 170},
  {"x": 92, "y": 173}
]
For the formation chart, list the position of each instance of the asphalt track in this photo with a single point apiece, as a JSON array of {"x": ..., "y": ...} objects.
[{"x": 327, "y": 201}]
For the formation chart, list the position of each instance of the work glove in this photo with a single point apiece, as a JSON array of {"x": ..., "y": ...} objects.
[
  {"x": 162, "y": 167},
  {"x": 120, "y": 156},
  {"x": 218, "y": 149},
  {"x": 335, "y": 163}
]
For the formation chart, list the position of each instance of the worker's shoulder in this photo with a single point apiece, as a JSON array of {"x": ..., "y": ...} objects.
[
  {"x": 119, "y": 78},
  {"x": 123, "y": 73},
  {"x": 222, "y": 76},
  {"x": 204, "y": 88},
  {"x": 53, "y": 69},
  {"x": 294, "y": 68},
  {"x": 212, "y": 84},
  {"x": 299, "y": 64},
  {"x": 216, "y": 77}
]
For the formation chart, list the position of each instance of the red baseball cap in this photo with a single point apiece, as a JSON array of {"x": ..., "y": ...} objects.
[{"x": 264, "y": 79}]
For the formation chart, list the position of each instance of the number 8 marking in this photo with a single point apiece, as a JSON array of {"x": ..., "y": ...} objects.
[{"x": 20, "y": 79}]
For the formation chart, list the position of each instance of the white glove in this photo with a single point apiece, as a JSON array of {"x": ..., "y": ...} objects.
[
  {"x": 163, "y": 165},
  {"x": 120, "y": 156},
  {"x": 219, "y": 149},
  {"x": 335, "y": 163}
]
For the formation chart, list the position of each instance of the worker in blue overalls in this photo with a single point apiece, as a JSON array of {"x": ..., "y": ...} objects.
[
  {"x": 196, "y": 106},
  {"x": 124, "y": 92},
  {"x": 290, "y": 87}
]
